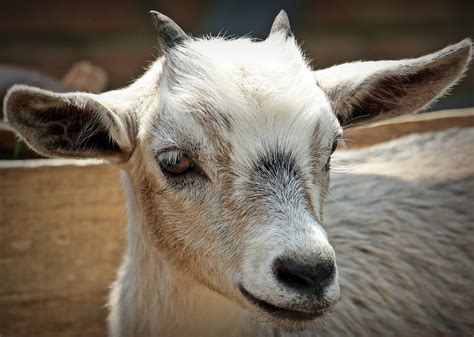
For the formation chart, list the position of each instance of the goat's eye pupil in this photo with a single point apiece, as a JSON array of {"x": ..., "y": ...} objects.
[
  {"x": 334, "y": 147},
  {"x": 179, "y": 166}
]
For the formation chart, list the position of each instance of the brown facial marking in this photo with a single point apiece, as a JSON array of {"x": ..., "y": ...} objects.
[{"x": 175, "y": 226}]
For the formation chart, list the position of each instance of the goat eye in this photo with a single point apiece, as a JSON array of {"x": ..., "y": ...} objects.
[
  {"x": 327, "y": 167},
  {"x": 334, "y": 147},
  {"x": 328, "y": 163},
  {"x": 176, "y": 163}
]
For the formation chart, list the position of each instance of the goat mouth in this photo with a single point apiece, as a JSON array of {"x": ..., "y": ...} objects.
[{"x": 278, "y": 312}]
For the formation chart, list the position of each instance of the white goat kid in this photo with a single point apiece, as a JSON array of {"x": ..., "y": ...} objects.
[{"x": 225, "y": 146}]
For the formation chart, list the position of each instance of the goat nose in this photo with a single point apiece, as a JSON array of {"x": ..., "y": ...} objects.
[{"x": 304, "y": 276}]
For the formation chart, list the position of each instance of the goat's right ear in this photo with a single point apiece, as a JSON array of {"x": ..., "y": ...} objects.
[{"x": 77, "y": 125}]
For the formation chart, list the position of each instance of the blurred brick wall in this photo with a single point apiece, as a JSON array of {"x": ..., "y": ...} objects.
[
  {"x": 50, "y": 35},
  {"x": 336, "y": 31}
]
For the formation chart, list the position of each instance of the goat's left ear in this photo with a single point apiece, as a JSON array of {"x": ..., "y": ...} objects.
[
  {"x": 79, "y": 125},
  {"x": 369, "y": 91}
]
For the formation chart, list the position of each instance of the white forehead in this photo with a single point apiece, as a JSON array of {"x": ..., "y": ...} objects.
[{"x": 265, "y": 91}]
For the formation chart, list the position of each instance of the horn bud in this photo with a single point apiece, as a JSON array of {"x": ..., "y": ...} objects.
[
  {"x": 169, "y": 33},
  {"x": 281, "y": 24}
]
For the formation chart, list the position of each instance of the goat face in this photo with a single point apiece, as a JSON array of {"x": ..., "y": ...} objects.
[
  {"x": 227, "y": 146},
  {"x": 237, "y": 166}
]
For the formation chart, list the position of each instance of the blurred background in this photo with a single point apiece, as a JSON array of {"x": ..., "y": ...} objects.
[
  {"x": 117, "y": 35},
  {"x": 61, "y": 221}
]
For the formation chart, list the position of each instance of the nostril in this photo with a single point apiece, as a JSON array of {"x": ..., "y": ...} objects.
[
  {"x": 290, "y": 278},
  {"x": 326, "y": 270},
  {"x": 303, "y": 275}
]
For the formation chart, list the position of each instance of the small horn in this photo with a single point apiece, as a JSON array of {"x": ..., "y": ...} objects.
[
  {"x": 281, "y": 24},
  {"x": 169, "y": 33}
]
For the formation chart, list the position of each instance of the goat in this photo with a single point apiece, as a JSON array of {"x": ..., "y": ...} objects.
[{"x": 225, "y": 146}]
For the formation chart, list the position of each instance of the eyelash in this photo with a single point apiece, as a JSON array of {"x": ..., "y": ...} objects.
[{"x": 170, "y": 157}]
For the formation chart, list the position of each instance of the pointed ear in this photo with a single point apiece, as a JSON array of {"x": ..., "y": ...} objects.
[
  {"x": 77, "y": 125},
  {"x": 369, "y": 91}
]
